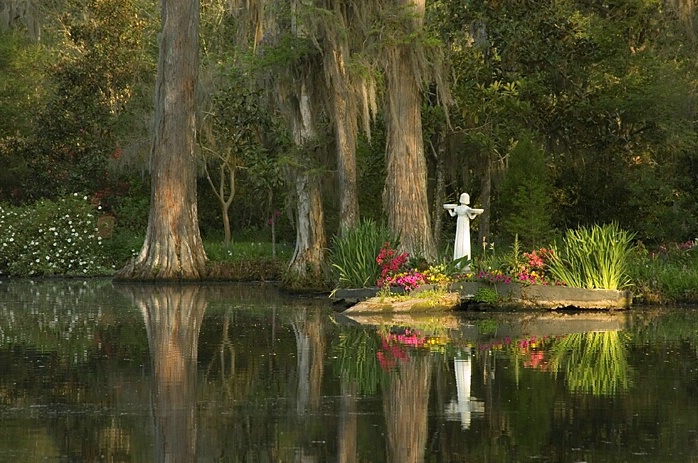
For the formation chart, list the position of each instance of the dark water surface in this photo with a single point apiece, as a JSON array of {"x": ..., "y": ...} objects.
[{"x": 91, "y": 372}]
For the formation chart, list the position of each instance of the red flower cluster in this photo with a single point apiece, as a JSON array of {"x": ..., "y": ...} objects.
[
  {"x": 534, "y": 270},
  {"x": 390, "y": 263}
]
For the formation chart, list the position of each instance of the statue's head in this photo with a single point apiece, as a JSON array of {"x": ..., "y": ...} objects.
[{"x": 465, "y": 198}]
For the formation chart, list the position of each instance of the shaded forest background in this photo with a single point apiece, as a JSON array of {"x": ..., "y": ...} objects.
[{"x": 551, "y": 114}]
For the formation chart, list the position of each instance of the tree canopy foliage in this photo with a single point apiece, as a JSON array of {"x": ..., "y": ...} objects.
[{"x": 606, "y": 90}]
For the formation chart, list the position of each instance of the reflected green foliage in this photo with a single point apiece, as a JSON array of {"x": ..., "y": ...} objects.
[
  {"x": 70, "y": 320},
  {"x": 353, "y": 255},
  {"x": 594, "y": 257},
  {"x": 76, "y": 381},
  {"x": 595, "y": 363},
  {"x": 355, "y": 359}
]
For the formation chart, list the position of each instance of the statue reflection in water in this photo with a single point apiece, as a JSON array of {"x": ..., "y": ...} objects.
[{"x": 173, "y": 316}]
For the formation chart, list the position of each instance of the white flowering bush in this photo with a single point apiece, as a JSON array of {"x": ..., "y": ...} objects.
[{"x": 51, "y": 238}]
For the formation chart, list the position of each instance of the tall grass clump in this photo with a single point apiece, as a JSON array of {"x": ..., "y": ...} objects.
[
  {"x": 596, "y": 257},
  {"x": 353, "y": 255},
  {"x": 51, "y": 238}
]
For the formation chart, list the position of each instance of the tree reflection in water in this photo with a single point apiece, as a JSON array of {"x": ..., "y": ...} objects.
[
  {"x": 405, "y": 400},
  {"x": 173, "y": 315},
  {"x": 310, "y": 346}
]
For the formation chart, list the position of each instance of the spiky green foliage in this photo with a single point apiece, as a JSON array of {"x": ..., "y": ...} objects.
[
  {"x": 353, "y": 255},
  {"x": 594, "y": 257}
]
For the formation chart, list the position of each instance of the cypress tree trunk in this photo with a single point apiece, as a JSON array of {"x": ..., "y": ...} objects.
[
  {"x": 307, "y": 267},
  {"x": 173, "y": 249},
  {"x": 344, "y": 109},
  {"x": 405, "y": 195},
  {"x": 345, "y": 132}
]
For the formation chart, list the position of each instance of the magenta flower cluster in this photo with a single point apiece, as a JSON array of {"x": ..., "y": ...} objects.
[
  {"x": 394, "y": 271},
  {"x": 493, "y": 277},
  {"x": 407, "y": 281}
]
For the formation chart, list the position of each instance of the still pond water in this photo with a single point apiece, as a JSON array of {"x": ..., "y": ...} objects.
[{"x": 91, "y": 372}]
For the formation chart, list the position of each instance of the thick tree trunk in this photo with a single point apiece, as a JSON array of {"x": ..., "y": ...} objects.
[
  {"x": 405, "y": 195},
  {"x": 307, "y": 267},
  {"x": 173, "y": 249},
  {"x": 345, "y": 132}
]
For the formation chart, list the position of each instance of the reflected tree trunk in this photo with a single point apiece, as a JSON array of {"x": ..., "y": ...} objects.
[
  {"x": 405, "y": 406},
  {"x": 346, "y": 430},
  {"x": 173, "y": 316},
  {"x": 310, "y": 344}
]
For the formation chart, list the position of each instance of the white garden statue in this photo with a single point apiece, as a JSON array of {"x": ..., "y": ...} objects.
[{"x": 465, "y": 213}]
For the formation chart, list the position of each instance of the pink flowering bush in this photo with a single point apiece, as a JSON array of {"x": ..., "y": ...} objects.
[
  {"x": 534, "y": 270},
  {"x": 530, "y": 268},
  {"x": 391, "y": 263},
  {"x": 395, "y": 271},
  {"x": 493, "y": 276}
]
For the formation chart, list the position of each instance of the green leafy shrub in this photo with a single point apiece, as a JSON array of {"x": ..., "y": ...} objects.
[
  {"x": 486, "y": 295},
  {"x": 353, "y": 255},
  {"x": 122, "y": 246},
  {"x": 526, "y": 195},
  {"x": 51, "y": 238},
  {"x": 667, "y": 274},
  {"x": 597, "y": 257}
]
